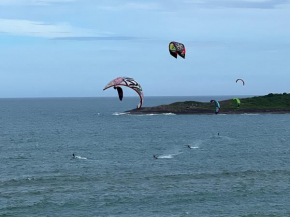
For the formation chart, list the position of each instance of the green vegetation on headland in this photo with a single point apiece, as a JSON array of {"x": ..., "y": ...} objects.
[{"x": 271, "y": 103}]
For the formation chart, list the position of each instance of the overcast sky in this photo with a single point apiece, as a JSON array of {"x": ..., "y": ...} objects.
[{"x": 66, "y": 48}]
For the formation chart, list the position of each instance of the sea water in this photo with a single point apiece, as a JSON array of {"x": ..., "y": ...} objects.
[{"x": 243, "y": 171}]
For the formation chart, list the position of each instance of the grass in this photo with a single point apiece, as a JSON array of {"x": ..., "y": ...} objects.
[{"x": 268, "y": 103}]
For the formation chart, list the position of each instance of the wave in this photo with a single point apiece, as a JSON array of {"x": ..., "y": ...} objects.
[
  {"x": 9, "y": 209},
  {"x": 193, "y": 147},
  {"x": 81, "y": 158},
  {"x": 166, "y": 156},
  {"x": 264, "y": 174},
  {"x": 249, "y": 114},
  {"x": 119, "y": 113},
  {"x": 51, "y": 178},
  {"x": 151, "y": 114},
  {"x": 154, "y": 114},
  {"x": 18, "y": 157},
  {"x": 195, "y": 144}
]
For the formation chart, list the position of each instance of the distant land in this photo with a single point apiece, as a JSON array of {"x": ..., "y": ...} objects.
[{"x": 271, "y": 103}]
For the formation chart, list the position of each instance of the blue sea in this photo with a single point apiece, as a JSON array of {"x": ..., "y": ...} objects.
[{"x": 243, "y": 171}]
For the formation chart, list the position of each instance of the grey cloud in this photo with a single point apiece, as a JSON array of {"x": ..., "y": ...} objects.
[
  {"x": 262, "y": 5},
  {"x": 267, "y": 4},
  {"x": 101, "y": 38},
  {"x": 270, "y": 46}
]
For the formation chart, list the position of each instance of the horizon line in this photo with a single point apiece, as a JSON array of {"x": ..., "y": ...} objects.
[{"x": 65, "y": 97}]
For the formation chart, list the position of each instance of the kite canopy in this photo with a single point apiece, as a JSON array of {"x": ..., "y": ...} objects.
[
  {"x": 238, "y": 101},
  {"x": 176, "y": 48},
  {"x": 239, "y": 79},
  {"x": 217, "y": 106},
  {"x": 127, "y": 82}
]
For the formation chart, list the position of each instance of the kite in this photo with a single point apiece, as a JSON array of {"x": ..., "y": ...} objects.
[
  {"x": 177, "y": 48},
  {"x": 127, "y": 82},
  {"x": 238, "y": 101},
  {"x": 217, "y": 106},
  {"x": 239, "y": 79}
]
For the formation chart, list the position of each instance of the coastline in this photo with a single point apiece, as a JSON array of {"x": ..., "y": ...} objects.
[{"x": 268, "y": 104}]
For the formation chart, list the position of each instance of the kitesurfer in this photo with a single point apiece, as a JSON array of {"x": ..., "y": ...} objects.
[
  {"x": 73, "y": 155},
  {"x": 188, "y": 146},
  {"x": 155, "y": 157}
]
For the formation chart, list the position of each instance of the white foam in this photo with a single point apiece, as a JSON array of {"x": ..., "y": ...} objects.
[
  {"x": 119, "y": 113},
  {"x": 195, "y": 144},
  {"x": 193, "y": 147},
  {"x": 249, "y": 114},
  {"x": 153, "y": 114},
  {"x": 82, "y": 158},
  {"x": 166, "y": 156}
]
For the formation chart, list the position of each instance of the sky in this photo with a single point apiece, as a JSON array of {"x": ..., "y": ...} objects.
[{"x": 73, "y": 48}]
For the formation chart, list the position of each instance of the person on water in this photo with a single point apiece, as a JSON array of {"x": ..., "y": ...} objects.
[
  {"x": 218, "y": 134},
  {"x": 155, "y": 157},
  {"x": 188, "y": 146},
  {"x": 74, "y": 155}
]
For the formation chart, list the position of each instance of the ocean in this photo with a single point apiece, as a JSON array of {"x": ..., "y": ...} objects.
[{"x": 243, "y": 171}]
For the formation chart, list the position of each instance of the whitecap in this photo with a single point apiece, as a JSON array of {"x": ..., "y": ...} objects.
[
  {"x": 249, "y": 114},
  {"x": 154, "y": 114},
  {"x": 119, "y": 113},
  {"x": 195, "y": 144},
  {"x": 81, "y": 158},
  {"x": 166, "y": 156}
]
